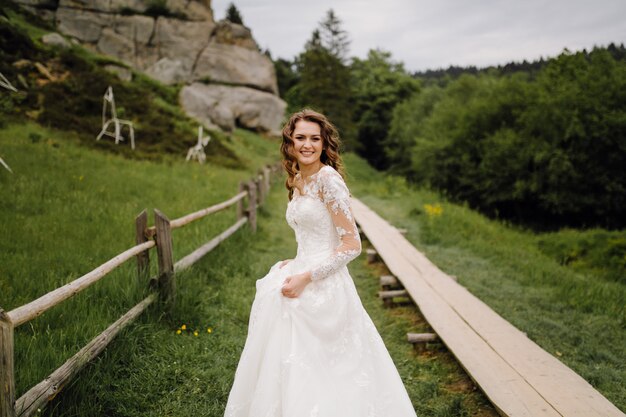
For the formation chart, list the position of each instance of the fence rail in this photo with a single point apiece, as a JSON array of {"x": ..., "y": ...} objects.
[{"x": 158, "y": 236}]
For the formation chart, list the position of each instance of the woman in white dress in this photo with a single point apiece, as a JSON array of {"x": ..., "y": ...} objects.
[{"x": 312, "y": 349}]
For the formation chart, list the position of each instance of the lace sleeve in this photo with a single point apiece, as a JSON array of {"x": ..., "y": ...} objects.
[{"x": 336, "y": 196}]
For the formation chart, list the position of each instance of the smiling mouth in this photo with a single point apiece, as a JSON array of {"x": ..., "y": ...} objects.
[{"x": 307, "y": 152}]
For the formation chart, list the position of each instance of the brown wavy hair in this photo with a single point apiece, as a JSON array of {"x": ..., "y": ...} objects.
[{"x": 330, "y": 144}]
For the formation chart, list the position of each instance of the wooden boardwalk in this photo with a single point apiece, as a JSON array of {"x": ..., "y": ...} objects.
[{"x": 518, "y": 376}]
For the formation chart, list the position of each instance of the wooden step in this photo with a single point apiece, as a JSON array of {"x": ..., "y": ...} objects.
[
  {"x": 421, "y": 337},
  {"x": 392, "y": 294},
  {"x": 389, "y": 281},
  {"x": 372, "y": 255}
]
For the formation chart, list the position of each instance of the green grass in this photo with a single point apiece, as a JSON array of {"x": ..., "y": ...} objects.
[
  {"x": 67, "y": 209},
  {"x": 576, "y": 314},
  {"x": 152, "y": 371}
]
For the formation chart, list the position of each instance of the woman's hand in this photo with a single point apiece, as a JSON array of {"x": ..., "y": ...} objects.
[
  {"x": 285, "y": 262},
  {"x": 295, "y": 284}
]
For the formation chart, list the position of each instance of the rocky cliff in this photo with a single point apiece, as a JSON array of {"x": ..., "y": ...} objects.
[{"x": 228, "y": 81}]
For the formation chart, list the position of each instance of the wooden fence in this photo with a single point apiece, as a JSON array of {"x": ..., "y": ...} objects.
[{"x": 162, "y": 286}]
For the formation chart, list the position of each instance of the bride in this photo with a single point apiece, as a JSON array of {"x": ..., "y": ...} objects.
[{"x": 312, "y": 349}]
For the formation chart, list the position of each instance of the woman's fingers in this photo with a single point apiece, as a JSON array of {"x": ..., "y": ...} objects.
[{"x": 289, "y": 292}]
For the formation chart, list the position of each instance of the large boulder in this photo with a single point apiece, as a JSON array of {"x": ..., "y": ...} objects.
[
  {"x": 229, "y": 106},
  {"x": 137, "y": 28},
  {"x": 102, "y": 5},
  {"x": 228, "y": 33},
  {"x": 86, "y": 26},
  {"x": 116, "y": 45},
  {"x": 168, "y": 71},
  {"x": 182, "y": 45},
  {"x": 199, "y": 10},
  {"x": 236, "y": 65},
  {"x": 55, "y": 39},
  {"x": 181, "y": 40}
]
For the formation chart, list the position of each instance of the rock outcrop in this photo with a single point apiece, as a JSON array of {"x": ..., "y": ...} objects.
[
  {"x": 226, "y": 106},
  {"x": 178, "y": 41}
]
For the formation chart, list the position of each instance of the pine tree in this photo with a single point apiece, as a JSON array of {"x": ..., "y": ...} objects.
[
  {"x": 325, "y": 83},
  {"x": 333, "y": 37},
  {"x": 233, "y": 15}
]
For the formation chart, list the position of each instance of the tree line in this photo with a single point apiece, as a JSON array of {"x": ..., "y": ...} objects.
[
  {"x": 545, "y": 149},
  {"x": 542, "y": 144}
]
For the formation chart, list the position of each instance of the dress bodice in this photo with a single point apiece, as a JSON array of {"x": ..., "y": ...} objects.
[
  {"x": 315, "y": 233},
  {"x": 323, "y": 223}
]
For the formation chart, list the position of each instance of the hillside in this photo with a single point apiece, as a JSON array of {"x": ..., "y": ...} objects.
[
  {"x": 64, "y": 87},
  {"x": 68, "y": 208}
]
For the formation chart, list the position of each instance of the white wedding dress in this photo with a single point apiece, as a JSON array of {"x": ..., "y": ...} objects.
[{"x": 317, "y": 355}]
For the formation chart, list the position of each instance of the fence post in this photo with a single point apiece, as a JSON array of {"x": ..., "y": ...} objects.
[
  {"x": 240, "y": 210},
  {"x": 7, "y": 375},
  {"x": 252, "y": 205},
  {"x": 167, "y": 283},
  {"x": 143, "y": 259},
  {"x": 258, "y": 180},
  {"x": 266, "y": 176}
]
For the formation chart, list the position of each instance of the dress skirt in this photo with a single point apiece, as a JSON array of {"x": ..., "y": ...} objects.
[{"x": 317, "y": 355}]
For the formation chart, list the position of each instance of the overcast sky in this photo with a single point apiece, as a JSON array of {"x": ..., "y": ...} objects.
[{"x": 438, "y": 33}]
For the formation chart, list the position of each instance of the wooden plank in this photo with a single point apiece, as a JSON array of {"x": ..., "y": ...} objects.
[
  {"x": 167, "y": 283},
  {"x": 7, "y": 375},
  {"x": 39, "y": 395},
  {"x": 506, "y": 389},
  {"x": 194, "y": 256},
  {"x": 182, "y": 221},
  {"x": 37, "y": 307},
  {"x": 143, "y": 258},
  {"x": 185, "y": 220},
  {"x": 563, "y": 389}
]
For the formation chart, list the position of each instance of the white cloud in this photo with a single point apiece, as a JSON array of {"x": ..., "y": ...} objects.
[{"x": 437, "y": 33}]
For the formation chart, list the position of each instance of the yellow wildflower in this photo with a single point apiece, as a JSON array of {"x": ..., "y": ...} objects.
[
  {"x": 179, "y": 331},
  {"x": 184, "y": 327},
  {"x": 433, "y": 209},
  {"x": 209, "y": 330},
  {"x": 195, "y": 333}
]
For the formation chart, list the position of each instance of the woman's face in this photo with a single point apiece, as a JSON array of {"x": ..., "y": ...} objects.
[{"x": 307, "y": 142}]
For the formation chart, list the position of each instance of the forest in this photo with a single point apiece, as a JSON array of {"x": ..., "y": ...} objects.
[{"x": 540, "y": 144}]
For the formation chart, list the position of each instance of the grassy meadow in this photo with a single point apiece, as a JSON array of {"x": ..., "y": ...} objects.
[
  {"x": 576, "y": 312},
  {"x": 68, "y": 208}
]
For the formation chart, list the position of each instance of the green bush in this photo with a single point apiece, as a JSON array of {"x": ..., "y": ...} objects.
[{"x": 546, "y": 151}]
